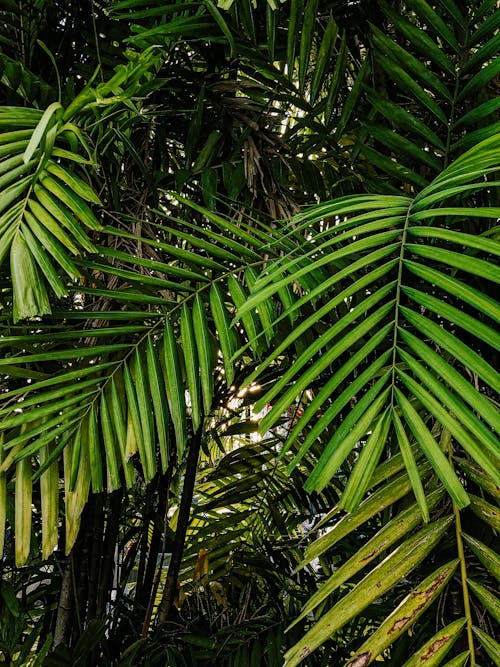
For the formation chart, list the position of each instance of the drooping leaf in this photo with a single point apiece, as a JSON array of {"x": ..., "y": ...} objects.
[
  {"x": 175, "y": 388},
  {"x": 401, "y": 561}
]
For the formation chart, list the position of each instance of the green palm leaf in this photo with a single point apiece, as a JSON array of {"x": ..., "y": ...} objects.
[
  {"x": 445, "y": 93},
  {"x": 416, "y": 316},
  {"x": 397, "y": 564},
  {"x": 123, "y": 396}
]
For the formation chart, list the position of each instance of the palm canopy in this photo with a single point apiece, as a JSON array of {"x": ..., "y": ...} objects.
[
  {"x": 126, "y": 329},
  {"x": 384, "y": 281},
  {"x": 396, "y": 271}
]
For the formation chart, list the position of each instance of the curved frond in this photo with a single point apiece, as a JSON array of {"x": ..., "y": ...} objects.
[
  {"x": 119, "y": 396},
  {"x": 433, "y": 96},
  {"x": 414, "y": 344},
  {"x": 418, "y": 316}
]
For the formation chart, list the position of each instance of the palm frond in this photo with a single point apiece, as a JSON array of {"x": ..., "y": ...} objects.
[
  {"x": 117, "y": 395},
  {"x": 417, "y": 353},
  {"x": 426, "y": 113},
  {"x": 334, "y": 604},
  {"x": 418, "y": 318}
]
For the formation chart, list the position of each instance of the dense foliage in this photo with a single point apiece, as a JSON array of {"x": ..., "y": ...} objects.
[{"x": 249, "y": 396}]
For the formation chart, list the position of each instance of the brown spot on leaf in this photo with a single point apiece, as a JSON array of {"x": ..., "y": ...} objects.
[
  {"x": 371, "y": 555},
  {"x": 361, "y": 660},
  {"x": 435, "y": 646},
  {"x": 436, "y": 583},
  {"x": 375, "y": 552},
  {"x": 400, "y": 624}
]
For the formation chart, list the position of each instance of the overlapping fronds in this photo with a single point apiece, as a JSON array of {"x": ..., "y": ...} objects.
[
  {"x": 407, "y": 557},
  {"x": 241, "y": 545},
  {"x": 398, "y": 353},
  {"x": 403, "y": 320},
  {"x": 433, "y": 93},
  {"x": 110, "y": 390},
  {"x": 46, "y": 217},
  {"x": 282, "y": 96},
  {"x": 364, "y": 328},
  {"x": 44, "y": 205},
  {"x": 402, "y": 362},
  {"x": 245, "y": 503}
]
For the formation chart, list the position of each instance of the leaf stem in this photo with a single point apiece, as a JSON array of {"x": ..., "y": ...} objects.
[
  {"x": 463, "y": 565},
  {"x": 397, "y": 300},
  {"x": 465, "y": 590}
]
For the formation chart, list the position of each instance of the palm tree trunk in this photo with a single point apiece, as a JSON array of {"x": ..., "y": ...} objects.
[
  {"x": 158, "y": 546},
  {"x": 108, "y": 563},
  {"x": 169, "y": 593},
  {"x": 64, "y": 608}
]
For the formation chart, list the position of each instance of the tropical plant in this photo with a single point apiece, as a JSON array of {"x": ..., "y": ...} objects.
[
  {"x": 150, "y": 309},
  {"x": 432, "y": 94},
  {"x": 394, "y": 308}
]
